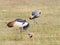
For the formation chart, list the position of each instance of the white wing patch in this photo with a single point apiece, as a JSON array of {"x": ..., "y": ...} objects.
[{"x": 20, "y": 24}]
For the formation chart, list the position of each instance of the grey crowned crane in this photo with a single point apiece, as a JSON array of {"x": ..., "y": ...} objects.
[
  {"x": 35, "y": 14},
  {"x": 22, "y": 24}
]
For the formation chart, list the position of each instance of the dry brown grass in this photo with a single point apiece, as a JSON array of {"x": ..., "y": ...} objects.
[{"x": 46, "y": 32}]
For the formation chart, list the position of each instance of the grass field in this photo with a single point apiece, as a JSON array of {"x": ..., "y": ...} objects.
[{"x": 46, "y": 32}]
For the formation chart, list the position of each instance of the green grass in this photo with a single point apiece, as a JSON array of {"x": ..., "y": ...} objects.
[{"x": 46, "y": 32}]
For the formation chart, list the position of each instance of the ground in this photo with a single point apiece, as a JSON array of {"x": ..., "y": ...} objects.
[{"x": 46, "y": 32}]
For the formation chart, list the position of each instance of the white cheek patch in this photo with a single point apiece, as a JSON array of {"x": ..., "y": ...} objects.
[{"x": 20, "y": 24}]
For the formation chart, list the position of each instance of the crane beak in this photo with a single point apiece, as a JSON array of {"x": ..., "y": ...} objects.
[{"x": 39, "y": 12}]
